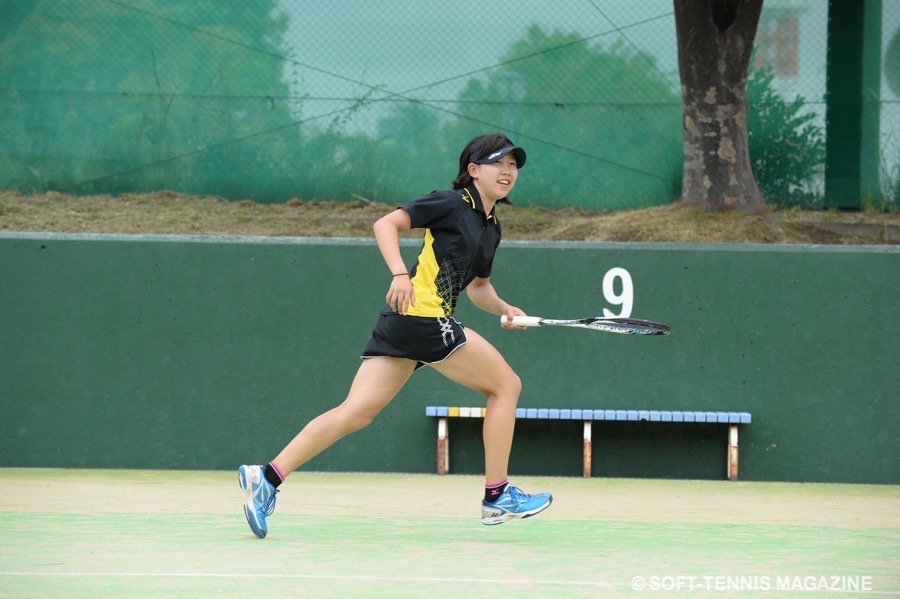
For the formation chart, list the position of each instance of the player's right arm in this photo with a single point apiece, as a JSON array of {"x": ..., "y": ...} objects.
[{"x": 387, "y": 229}]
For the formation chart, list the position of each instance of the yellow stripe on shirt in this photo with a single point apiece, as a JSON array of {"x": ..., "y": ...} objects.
[{"x": 428, "y": 301}]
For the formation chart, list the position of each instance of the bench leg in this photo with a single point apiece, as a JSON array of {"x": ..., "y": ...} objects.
[
  {"x": 732, "y": 452},
  {"x": 586, "y": 462},
  {"x": 443, "y": 447}
]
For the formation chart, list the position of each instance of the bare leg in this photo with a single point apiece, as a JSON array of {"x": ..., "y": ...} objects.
[
  {"x": 376, "y": 383},
  {"x": 479, "y": 366}
]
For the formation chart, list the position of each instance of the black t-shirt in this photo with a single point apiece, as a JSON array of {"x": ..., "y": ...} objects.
[{"x": 459, "y": 245}]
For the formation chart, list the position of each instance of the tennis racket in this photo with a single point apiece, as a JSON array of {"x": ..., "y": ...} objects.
[{"x": 625, "y": 326}]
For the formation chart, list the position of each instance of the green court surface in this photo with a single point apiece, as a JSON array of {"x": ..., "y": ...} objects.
[{"x": 89, "y": 533}]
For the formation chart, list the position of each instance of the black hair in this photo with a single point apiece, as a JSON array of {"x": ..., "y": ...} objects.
[{"x": 481, "y": 146}]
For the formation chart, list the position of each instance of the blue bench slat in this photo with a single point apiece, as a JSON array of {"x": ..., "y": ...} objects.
[{"x": 620, "y": 415}]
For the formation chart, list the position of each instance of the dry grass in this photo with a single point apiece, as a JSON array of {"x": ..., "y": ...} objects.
[{"x": 173, "y": 213}]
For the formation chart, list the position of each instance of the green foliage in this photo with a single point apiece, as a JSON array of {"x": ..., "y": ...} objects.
[
  {"x": 161, "y": 95},
  {"x": 889, "y": 198},
  {"x": 601, "y": 127},
  {"x": 602, "y": 123},
  {"x": 787, "y": 148},
  {"x": 193, "y": 96}
]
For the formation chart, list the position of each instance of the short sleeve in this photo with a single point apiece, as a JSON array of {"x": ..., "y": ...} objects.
[
  {"x": 431, "y": 209},
  {"x": 485, "y": 272}
]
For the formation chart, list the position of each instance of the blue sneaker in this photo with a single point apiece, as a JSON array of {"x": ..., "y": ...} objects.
[
  {"x": 514, "y": 503},
  {"x": 259, "y": 498}
]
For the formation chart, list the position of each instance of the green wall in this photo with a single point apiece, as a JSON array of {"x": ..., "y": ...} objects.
[{"x": 209, "y": 352}]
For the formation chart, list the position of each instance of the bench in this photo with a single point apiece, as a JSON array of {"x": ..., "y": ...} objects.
[{"x": 732, "y": 419}]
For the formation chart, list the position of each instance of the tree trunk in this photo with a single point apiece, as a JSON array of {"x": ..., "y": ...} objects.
[{"x": 715, "y": 42}]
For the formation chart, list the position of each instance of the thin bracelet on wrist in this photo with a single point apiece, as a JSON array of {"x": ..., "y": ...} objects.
[{"x": 400, "y": 274}]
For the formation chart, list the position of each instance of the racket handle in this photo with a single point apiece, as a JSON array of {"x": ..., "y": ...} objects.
[{"x": 523, "y": 321}]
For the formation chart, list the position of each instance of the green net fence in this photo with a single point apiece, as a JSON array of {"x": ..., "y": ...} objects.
[{"x": 338, "y": 100}]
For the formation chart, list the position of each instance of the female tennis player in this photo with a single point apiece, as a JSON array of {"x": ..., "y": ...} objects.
[{"x": 416, "y": 328}]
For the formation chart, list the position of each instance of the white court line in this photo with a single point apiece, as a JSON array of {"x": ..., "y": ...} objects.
[
  {"x": 518, "y": 581},
  {"x": 414, "y": 579},
  {"x": 419, "y": 579}
]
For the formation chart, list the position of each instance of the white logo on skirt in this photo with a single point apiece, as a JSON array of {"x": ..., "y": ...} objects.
[{"x": 446, "y": 329}]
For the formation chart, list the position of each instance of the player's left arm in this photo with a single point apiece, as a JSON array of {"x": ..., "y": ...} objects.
[{"x": 484, "y": 296}]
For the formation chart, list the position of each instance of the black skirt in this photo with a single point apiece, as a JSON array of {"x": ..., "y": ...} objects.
[{"x": 427, "y": 340}]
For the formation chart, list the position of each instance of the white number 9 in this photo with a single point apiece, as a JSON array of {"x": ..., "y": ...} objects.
[{"x": 624, "y": 299}]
